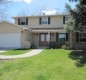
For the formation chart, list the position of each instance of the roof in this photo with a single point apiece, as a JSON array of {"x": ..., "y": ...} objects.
[
  {"x": 13, "y": 24},
  {"x": 39, "y": 16}
]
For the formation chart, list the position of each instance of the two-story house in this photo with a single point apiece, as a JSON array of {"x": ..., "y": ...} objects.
[
  {"x": 41, "y": 30},
  {"x": 44, "y": 29}
]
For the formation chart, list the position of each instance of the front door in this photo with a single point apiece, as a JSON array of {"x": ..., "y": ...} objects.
[{"x": 43, "y": 39}]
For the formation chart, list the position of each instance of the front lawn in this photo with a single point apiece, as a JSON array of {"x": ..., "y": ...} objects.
[
  {"x": 50, "y": 64},
  {"x": 15, "y": 52}
]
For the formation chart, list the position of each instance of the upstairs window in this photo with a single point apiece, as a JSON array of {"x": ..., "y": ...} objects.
[
  {"x": 23, "y": 21},
  {"x": 65, "y": 18},
  {"x": 44, "y": 20}
]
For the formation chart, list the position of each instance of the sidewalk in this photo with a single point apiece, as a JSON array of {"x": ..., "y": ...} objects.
[{"x": 28, "y": 54}]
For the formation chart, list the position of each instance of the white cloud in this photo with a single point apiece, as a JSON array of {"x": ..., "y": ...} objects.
[
  {"x": 49, "y": 12},
  {"x": 27, "y": 1}
]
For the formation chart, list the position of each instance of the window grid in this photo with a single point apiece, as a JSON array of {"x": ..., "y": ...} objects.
[
  {"x": 22, "y": 21},
  {"x": 82, "y": 37},
  {"x": 44, "y": 20},
  {"x": 61, "y": 37}
]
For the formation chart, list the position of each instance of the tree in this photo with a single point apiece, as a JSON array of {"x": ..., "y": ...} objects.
[
  {"x": 79, "y": 16},
  {"x": 77, "y": 21},
  {"x": 80, "y": 1},
  {"x": 3, "y": 9}
]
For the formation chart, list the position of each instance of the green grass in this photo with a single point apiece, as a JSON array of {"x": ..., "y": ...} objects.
[
  {"x": 50, "y": 64},
  {"x": 15, "y": 52}
]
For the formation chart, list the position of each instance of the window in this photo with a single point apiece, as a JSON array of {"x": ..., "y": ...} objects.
[
  {"x": 82, "y": 37},
  {"x": 65, "y": 18},
  {"x": 44, "y": 37},
  {"x": 23, "y": 21},
  {"x": 61, "y": 37},
  {"x": 44, "y": 20}
]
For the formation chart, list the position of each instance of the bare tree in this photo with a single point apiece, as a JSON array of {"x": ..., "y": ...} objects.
[
  {"x": 24, "y": 12},
  {"x": 3, "y": 9}
]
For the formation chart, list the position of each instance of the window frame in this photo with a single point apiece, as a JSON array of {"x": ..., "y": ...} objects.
[
  {"x": 45, "y": 36},
  {"x": 81, "y": 37},
  {"x": 44, "y": 20},
  {"x": 60, "y": 38},
  {"x": 22, "y": 20}
]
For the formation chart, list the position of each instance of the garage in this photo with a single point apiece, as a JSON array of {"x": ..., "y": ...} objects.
[
  {"x": 10, "y": 35},
  {"x": 10, "y": 40}
]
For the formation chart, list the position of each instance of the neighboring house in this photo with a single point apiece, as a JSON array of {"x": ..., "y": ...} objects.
[{"x": 42, "y": 31}]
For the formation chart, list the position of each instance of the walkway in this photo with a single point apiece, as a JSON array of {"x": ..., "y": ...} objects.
[{"x": 28, "y": 54}]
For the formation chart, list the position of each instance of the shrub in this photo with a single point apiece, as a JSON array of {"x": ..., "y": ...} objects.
[{"x": 64, "y": 47}]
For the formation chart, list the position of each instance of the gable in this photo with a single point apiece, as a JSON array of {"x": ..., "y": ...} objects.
[{"x": 6, "y": 27}]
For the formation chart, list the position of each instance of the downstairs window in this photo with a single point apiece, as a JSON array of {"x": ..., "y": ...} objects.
[{"x": 82, "y": 37}]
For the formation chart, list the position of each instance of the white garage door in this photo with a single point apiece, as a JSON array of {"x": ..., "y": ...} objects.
[{"x": 10, "y": 40}]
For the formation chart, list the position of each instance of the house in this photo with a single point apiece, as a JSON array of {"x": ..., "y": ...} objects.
[{"x": 41, "y": 30}]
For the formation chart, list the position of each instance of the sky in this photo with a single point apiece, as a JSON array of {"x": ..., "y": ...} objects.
[{"x": 33, "y": 7}]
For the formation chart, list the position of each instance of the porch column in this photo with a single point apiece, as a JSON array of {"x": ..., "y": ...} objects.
[{"x": 48, "y": 37}]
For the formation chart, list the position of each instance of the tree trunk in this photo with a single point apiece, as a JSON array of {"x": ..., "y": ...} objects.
[{"x": 70, "y": 39}]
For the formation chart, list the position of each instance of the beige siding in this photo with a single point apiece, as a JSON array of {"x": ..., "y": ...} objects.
[
  {"x": 53, "y": 37},
  {"x": 55, "y": 22},
  {"x": 9, "y": 28},
  {"x": 35, "y": 39},
  {"x": 16, "y": 21},
  {"x": 25, "y": 39},
  {"x": 77, "y": 45}
]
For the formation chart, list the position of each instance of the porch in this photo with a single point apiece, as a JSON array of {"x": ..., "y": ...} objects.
[{"x": 48, "y": 38}]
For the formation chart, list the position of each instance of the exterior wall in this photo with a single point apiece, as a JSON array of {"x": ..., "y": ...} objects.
[
  {"x": 55, "y": 22},
  {"x": 53, "y": 37},
  {"x": 16, "y": 21},
  {"x": 35, "y": 39},
  {"x": 77, "y": 45},
  {"x": 9, "y": 28},
  {"x": 25, "y": 39}
]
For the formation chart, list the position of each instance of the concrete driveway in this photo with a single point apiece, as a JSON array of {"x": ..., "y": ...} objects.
[{"x": 2, "y": 50}]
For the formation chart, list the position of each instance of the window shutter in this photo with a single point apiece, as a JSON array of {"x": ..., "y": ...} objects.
[
  {"x": 56, "y": 37},
  {"x": 63, "y": 19},
  {"x": 19, "y": 21},
  {"x": 26, "y": 21},
  {"x": 48, "y": 20},
  {"x": 77, "y": 37},
  {"x": 40, "y": 20},
  {"x": 66, "y": 36}
]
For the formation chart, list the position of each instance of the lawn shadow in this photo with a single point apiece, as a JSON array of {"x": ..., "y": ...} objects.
[
  {"x": 22, "y": 49},
  {"x": 79, "y": 56}
]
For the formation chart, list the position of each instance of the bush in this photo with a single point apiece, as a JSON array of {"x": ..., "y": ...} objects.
[
  {"x": 64, "y": 47},
  {"x": 33, "y": 46}
]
